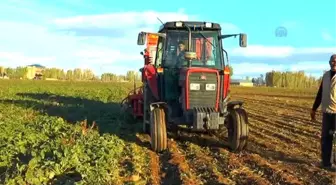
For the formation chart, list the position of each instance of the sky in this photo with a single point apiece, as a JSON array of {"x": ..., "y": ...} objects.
[{"x": 102, "y": 35}]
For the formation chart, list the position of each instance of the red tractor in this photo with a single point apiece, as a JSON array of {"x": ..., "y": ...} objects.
[{"x": 187, "y": 83}]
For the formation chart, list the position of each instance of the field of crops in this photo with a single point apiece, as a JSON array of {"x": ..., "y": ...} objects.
[{"x": 74, "y": 132}]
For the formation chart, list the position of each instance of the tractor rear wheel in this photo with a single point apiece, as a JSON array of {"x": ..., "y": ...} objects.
[
  {"x": 237, "y": 129},
  {"x": 158, "y": 129}
]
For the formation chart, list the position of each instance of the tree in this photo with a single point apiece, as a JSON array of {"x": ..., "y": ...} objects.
[
  {"x": 69, "y": 75},
  {"x": 109, "y": 77},
  {"x": 88, "y": 74},
  {"x": 2, "y": 71},
  {"x": 132, "y": 76},
  {"x": 290, "y": 79},
  {"x": 77, "y": 74}
]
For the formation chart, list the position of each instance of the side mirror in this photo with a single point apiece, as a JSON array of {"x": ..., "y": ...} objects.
[
  {"x": 142, "y": 36},
  {"x": 141, "y": 53},
  {"x": 242, "y": 40}
]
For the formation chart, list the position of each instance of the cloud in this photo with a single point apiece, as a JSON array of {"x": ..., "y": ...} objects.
[
  {"x": 279, "y": 51},
  {"x": 107, "y": 43},
  {"x": 311, "y": 66},
  {"x": 280, "y": 54},
  {"x": 327, "y": 36},
  {"x": 9, "y": 58},
  {"x": 263, "y": 51},
  {"x": 258, "y": 59},
  {"x": 101, "y": 42},
  {"x": 243, "y": 69},
  {"x": 246, "y": 68},
  {"x": 120, "y": 23},
  {"x": 229, "y": 28},
  {"x": 103, "y": 56}
]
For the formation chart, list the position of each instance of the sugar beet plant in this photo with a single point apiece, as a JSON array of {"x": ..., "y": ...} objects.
[{"x": 65, "y": 133}]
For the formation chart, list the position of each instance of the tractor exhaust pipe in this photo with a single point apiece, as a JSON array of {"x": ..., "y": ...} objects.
[
  {"x": 189, "y": 56},
  {"x": 189, "y": 38}
]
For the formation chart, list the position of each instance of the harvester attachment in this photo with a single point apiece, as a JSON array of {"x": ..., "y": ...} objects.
[{"x": 132, "y": 104}]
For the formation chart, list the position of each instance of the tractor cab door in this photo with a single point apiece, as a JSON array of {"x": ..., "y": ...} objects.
[
  {"x": 171, "y": 89},
  {"x": 167, "y": 75}
]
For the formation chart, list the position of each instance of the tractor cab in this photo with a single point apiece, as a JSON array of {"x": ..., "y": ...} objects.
[
  {"x": 203, "y": 44},
  {"x": 188, "y": 79}
]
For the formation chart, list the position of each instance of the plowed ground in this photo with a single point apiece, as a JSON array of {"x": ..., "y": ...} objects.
[{"x": 284, "y": 145}]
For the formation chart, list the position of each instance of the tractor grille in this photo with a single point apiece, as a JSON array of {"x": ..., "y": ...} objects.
[{"x": 202, "y": 97}]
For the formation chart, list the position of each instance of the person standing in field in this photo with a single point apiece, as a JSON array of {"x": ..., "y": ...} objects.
[{"x": 326, "y": 96}]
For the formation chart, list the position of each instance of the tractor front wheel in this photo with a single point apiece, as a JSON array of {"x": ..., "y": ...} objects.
[
  {"x": 237, "y": 129},
  {"x": 158, "y": 129}
]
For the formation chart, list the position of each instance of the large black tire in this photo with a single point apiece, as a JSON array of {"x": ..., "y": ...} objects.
[
  {"x": 334, "y": 154},
  {"x": 158, "y": 130},
  {"x": 237, "y": 129},
  {"x": 244, "y": 129}
]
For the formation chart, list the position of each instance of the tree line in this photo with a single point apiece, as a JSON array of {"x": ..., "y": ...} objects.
[
  {"x": 76, "y": 74},
  {"x": 272, "y": 79},
  {"x": 291, "y": 79}
]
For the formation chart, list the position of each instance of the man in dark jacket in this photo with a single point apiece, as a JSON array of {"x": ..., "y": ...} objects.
[
  {"x": 327, "y": 97},
  {"x": 180, "y": 57}
]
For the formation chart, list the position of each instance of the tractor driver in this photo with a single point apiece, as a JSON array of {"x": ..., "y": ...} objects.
[{"x": 180, "y": 57}]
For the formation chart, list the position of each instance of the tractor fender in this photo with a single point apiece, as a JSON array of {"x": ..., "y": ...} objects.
[
  {"x": 239, "y": 104},
  {"x": 154, "y": 105},
  {"x": 232, "y": 104}
]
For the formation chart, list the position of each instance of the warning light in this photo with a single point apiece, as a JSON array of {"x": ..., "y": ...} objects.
[{"x": 160, "y": 70}]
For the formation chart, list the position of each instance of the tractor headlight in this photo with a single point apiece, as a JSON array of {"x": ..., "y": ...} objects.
[
  {"x": 208, "y": 25},
  {"x": 194, "y": 86},
  {"x": 178, "y": 24},
  {"x": 210, "y": 87}
]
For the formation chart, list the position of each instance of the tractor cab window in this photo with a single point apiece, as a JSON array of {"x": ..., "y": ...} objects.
[
  {"x": 205, "y": 44},
  {"x": 159, "y": 52}
]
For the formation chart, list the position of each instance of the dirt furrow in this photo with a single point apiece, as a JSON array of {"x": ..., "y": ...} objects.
[
  {"x": 300, "y": 114},
  {"x": 279, "y": 96},
  {"x": 269, "y": 154},
  {"x": 283, "y": 136},
  {"x": 274, "y": 104},
  {"x": 211, "y": 171},
  {"x": 176, "y": 158},
  {"x": 226, "y": 162},
  {"x": 283, "y": 145},
  {"x": 271, "y": 142},
  {"x": 154, "y": 168},
  {"x": 274, "y": 173},
  {"x": 283, "y": 117},
  {"x": 290, "y": 152},
  {"x": 301, "y": 132},
  {"x": 294, "y": 167},
  {"x": 241, "y": 173},
  {"x": 154, "y": 163},
  {"x": 273, "y": 99},
  {"x": 312, "y": 174}
]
